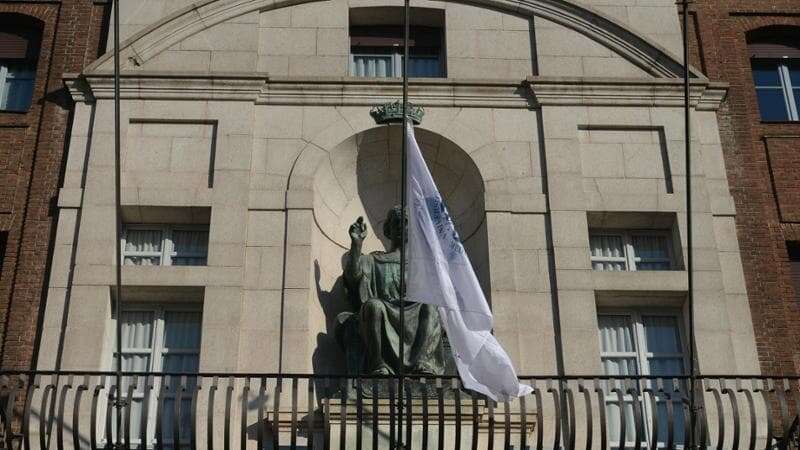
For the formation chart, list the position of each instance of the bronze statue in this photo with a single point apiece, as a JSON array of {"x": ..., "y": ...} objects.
[{"x": 370, "y": 334}]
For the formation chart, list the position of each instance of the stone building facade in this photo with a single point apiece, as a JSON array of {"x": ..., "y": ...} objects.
[
  {"x": 39, "y": 42},
  {"x": 741, "y": 43},
  {"x": 553, "y": 128}
]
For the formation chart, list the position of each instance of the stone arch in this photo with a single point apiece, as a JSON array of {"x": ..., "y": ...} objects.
[
  {"x": 21, "y": 20},
  {"x": 774, "y": 41},
  {"x": 469, "y": 129},
  {"x": 196, "y": 17},
  {"x": 774, "y": 33}
]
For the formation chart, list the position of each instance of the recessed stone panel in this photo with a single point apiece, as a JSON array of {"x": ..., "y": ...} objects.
[
  {"x": 624, "y": 160},
  {"x": 162, "y": 154}
]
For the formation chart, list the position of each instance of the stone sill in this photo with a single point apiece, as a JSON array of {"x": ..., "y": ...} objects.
[
  {"x": 104, "y": 275},
  {"x": 143, "y": 196},
  {"x": 165, "y": 275},
  {"x": 674, "y": 281}
]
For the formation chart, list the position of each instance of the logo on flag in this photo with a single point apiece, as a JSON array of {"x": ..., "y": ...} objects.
[{"x": 443, "y": 225}]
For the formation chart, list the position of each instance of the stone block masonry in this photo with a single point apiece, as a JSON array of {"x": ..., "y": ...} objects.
[{"x": 32, "y": 148}]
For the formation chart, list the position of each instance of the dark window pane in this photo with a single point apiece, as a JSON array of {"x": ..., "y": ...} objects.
[
  {"x": 765, "y": 73},
  {"x": 797, "y": 97},
  {"x": 182, "y": 331},
  {"x": 793, "y": 248},
  {"x": 794, "y": 72},
  {"x": 3, "y": 241},
  {"x": 16, "y": 90},
  {"x": 772, "y": 105},
  {"x": 422, "y": 66}
]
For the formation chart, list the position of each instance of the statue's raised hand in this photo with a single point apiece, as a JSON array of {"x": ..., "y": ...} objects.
[{"x": 358, "y": 231}]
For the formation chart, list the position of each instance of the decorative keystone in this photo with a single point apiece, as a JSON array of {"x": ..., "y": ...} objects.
[{"x": 393, "y": 113}]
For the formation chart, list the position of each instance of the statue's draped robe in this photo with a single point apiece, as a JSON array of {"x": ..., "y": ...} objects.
[{"x": 374, "y": 292}]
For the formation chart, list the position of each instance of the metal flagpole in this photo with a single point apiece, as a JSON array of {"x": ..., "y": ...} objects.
[
  {"x": 118, "y": 249},
  {"x": 689, "y": 264},
  {"x": 403, "y": 234}
]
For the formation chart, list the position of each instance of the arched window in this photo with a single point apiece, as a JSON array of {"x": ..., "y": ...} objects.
[
  {"x": 775, "y": 59},
  {"x": 20, "y": 38}
]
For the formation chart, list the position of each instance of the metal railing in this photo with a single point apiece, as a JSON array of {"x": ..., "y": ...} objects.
[{"x": 78, "y": 410}]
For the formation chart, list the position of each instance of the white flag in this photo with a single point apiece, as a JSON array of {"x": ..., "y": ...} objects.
[{"x": 439, "y": 274}]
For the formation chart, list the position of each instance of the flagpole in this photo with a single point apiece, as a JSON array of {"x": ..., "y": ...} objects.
[
  {"x": 403, "y": 233},
  {"x": 689, "y": 237},
  {"x": 118, "y": 402}
]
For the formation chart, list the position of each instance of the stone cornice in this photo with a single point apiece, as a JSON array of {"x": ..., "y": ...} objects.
[
  {"x": 166, "y": 86},
  {"x": 360, "y": 91},
  {"x": 347, "y": 91},
  {"x": 703, "y": 94},
  {"x": 266, "y": 90},
  {"x": 78, "y": 88}
]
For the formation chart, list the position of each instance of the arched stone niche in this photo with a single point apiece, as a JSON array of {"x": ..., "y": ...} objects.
[{"x": 361, "y": 176}]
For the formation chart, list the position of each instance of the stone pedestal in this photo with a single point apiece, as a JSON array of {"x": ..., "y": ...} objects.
[{"x": 345, "y": 425}]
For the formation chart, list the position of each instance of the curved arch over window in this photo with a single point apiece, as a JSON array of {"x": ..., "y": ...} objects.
[
  {"x": 775, "y": 60},
  {"x": 20, "y": 40}
]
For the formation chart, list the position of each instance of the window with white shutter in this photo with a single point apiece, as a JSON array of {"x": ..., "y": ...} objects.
[
  {"x": 159, "y": 338},
  {"x": 641, "y": 343},
  {"x": 630, "y": 250},
  {"x": 165, "y": 245}
]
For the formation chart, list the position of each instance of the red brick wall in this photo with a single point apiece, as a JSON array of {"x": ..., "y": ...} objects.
[
  {"x": 783, "y": 158},
  {"x": 763, "y": 171},
  {"x": 31, "y": 154}
]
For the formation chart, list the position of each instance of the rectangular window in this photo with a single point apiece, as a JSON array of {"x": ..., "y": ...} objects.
[
  {"x": 630, "y": 250},
  {"x": 777, "y": 84},
  {"x": 3, "y": 243},
  {"x": 20, "y": 38},
  {"x": 641, "y": 343},
  {"x": 16, "y": 85},
  {"x": 377, "y": 51},
  {"x": 165, "y": 245},
  {"x": 160, "y": 338},
  {"x": 793, "y": 248}
]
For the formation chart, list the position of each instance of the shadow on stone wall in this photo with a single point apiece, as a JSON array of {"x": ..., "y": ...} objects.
[{"x": 328, "y": 357}]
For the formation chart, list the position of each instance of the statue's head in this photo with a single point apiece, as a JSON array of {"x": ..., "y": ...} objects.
[{"x": 391, "y": 227}]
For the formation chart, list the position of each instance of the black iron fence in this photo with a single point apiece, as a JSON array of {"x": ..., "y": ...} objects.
[{"x": 89, "y": 410}]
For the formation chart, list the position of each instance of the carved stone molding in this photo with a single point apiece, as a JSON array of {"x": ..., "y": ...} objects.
[
  {"x": 703, "y": 94},
  {"x": 346, "y": 91}
]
